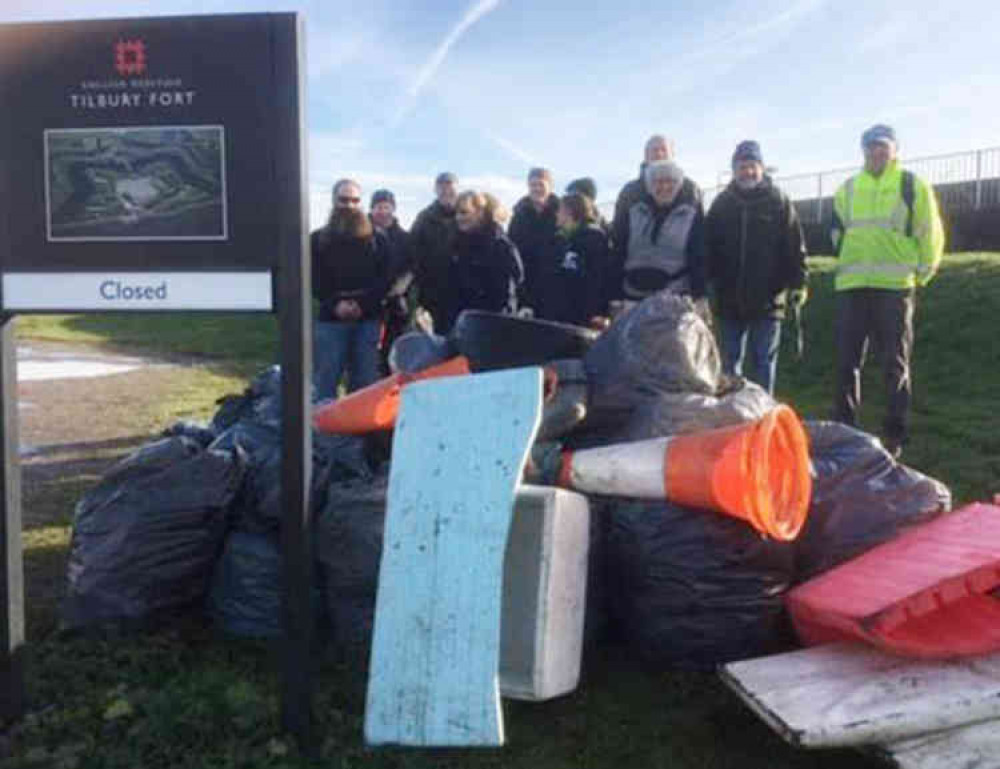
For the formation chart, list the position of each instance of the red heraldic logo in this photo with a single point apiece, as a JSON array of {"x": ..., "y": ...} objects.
[{"x": 130, "y": 57}]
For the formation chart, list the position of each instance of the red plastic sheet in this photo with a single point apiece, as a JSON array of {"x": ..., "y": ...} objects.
[{"x": 931, "y": 592}]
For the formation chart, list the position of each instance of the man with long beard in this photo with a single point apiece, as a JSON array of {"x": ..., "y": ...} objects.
[{"x": 350, "y": 279}]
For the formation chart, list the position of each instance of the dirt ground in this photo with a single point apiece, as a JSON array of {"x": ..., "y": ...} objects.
[{"x": 72, "y": 430}]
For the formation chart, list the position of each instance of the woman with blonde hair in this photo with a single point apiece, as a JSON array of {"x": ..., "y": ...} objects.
[{"x": 486, "y": 266}]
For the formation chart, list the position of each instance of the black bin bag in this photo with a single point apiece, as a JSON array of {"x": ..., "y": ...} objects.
[
  {"x": 146, "y": 538},
  {"x": 691, "y": 588},
  {"x": 245, "y": 599},
  {"x": 349, "y": 553},
  {"x": 861, "y": 497}
]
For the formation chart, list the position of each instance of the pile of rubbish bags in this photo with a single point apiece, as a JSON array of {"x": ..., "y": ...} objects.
[{"x": 193, "y": 520}]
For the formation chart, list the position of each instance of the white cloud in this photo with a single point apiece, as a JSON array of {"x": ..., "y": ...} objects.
[
  {"x": 883, "y": 37},
  {"x": 331, "y": 48}
]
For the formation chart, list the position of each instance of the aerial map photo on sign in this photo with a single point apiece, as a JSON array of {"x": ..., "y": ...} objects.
[{"x": 136, "y": 183}]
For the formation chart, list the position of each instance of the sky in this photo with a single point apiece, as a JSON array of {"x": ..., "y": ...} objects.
[{"x": 400, "y": 90}]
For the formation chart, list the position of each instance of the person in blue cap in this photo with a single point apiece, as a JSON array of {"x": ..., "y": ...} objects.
[
  {"x": 887, "y": 235},
  {"x": 755, "y": 263}
]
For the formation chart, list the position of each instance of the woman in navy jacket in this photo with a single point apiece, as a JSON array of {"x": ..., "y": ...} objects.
[{"x": 571, "y": 278}]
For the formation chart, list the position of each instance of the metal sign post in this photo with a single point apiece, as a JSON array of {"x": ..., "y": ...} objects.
[
  {"x": 12, "y": 579},
  {"x": 157, "y": 164}
]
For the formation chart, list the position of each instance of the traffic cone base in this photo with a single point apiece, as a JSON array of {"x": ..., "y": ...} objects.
[
  {"x": 758, "y": 471},
  {"x": 375, "y": 407}
]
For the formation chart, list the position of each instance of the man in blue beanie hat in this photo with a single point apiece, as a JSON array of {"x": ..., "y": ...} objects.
[
  {"x": 755, "y": 262},
  {"x": 398, "y": 301}
]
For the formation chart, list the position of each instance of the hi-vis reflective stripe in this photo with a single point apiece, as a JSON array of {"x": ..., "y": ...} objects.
[
  {"x": 880, "y": 223},
  {"x": 883, "y": 268},
  {"x": 895, "y": 221}
]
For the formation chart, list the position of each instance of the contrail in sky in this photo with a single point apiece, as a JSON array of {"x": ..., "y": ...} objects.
[
  {"x": 512, "y": 149},
  {"x": 430, "y": 67}
]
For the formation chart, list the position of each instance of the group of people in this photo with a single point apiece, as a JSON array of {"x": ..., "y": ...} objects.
[{"x": 556, "y": 258}]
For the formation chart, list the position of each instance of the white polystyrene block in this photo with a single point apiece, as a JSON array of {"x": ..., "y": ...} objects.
[{"x": 544, "y": 593}]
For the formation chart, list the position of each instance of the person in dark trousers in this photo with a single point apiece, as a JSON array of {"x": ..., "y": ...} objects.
[
  {"x": 396, "y": 314},
  {"x": 571, "y": 277},
  {"x": 487, "y": 267},
  {"x": 431, "y": 239},
  {"x": 350, "y": 264},
  {"x": 755, "y": 263},
  {"x": 533, "y": 228},
  {"x": 662, "y": 240},
  {"x": 658, "y": 148},
  {"x": 889, "y": 239}
]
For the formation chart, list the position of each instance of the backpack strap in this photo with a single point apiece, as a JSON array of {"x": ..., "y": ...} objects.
[{"x": 908, "y": 195}]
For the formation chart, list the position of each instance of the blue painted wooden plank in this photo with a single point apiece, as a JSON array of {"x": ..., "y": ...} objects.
[{"x": 458, "y": 453}]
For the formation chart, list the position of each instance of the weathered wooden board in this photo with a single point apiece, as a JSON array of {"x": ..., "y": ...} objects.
[
  {"x": 966, "y": 747},
  {"x": 458, "y": 453},
  {"x": 851, "y": 694}
]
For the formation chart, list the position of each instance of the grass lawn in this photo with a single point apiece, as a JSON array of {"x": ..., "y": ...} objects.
[{"x": 183, "y": 697}]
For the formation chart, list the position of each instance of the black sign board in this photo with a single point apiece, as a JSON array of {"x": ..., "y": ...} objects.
[
  {"x": 140, "y": 146},
  {"x": 157, "y": 164}
]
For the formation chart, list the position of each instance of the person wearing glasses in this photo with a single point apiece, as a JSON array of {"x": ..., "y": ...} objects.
[{"x": 350, "y": 280}]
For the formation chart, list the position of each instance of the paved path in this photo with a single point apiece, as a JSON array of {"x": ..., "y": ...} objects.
[{"x": 38, "y": 363}]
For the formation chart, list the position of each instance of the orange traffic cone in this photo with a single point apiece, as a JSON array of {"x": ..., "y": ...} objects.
[
  {"x": 757, "y": 472},
  {"x": 375, "y": 407}
]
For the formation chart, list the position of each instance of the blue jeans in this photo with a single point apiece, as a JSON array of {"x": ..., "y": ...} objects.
[
  {"x": 350, "y": 347},
  {"x": 764, "y": 338}
]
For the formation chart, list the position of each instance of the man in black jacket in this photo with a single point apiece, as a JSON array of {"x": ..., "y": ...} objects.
[
  {"x": 533, "y": 229},
  {"x": 349, "y": 279},
  {"x": 431, "y": 238},
  {"x": 755, "y": 263}
]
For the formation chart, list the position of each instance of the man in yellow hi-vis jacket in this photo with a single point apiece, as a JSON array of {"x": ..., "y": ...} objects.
[{"x": 888, "y": 236}]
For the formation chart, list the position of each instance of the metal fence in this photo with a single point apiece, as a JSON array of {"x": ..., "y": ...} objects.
[{"x": 963, "y": 181}]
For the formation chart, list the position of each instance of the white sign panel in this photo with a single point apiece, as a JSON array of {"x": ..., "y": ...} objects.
[{"x": 141, "y": 291}]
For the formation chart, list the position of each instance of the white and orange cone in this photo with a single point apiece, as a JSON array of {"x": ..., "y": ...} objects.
[{"x": 757, "y": 472}]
